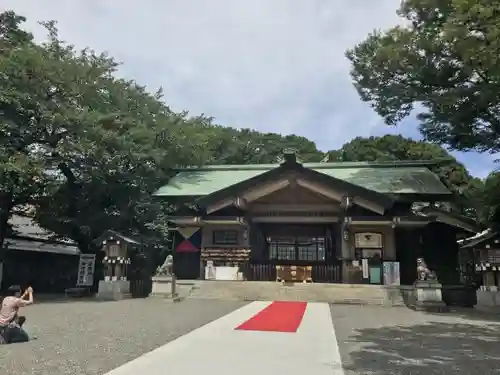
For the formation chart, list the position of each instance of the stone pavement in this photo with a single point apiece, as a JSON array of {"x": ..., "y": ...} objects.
[
  {"x": 391, "y": 341},
  {"x": 219, "y": 348},
  {"x": 332, "y": 340},
  {"x": 93, "y": 338}
]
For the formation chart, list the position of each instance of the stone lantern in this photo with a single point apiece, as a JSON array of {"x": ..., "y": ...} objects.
[{"x": 116, "y": 260}]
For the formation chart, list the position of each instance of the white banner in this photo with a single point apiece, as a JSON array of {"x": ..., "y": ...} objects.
[
  {"x": 391, "y": 273},
  {"x": 364, "y": 266},
  {"x": 86, "y": 269}
]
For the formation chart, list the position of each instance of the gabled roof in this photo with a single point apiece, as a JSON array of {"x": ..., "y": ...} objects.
[
  {"x": 40, "y": 246},
  {"x": 29, "y": 236},
  {"x": 26, "y": 227},
  {"x": 284, "y": 169},
  {"x": 114, "y": 234},
  {"x": 398, "y": 178}
]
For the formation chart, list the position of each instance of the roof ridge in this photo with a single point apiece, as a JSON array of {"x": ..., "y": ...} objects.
[{"x": 340, "y": 164}]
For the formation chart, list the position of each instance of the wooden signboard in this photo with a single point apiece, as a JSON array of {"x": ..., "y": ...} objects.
[
  {"x": 294, "y": 273},
  {"x": 368, "y": 240}
]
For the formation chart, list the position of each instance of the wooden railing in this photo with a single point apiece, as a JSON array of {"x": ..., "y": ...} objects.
[
  {"x": 322, "y": 273},
  {"x": 259, "y": 272},
  {"x": 327, "y": 273}
]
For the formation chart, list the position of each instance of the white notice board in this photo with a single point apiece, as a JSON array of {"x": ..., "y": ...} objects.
[{"x": 86, "y": 268}]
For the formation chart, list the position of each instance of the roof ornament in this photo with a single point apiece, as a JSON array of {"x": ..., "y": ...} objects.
[{"x": 289, "y": 157}]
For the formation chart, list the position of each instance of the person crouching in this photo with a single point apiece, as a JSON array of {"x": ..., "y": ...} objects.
[{"x": 11, "y": 322}]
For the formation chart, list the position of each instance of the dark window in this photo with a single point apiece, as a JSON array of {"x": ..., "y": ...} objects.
[
  {"x": 225, "y": 237},
  {"x": 312, "y": 249},
  {"x": 282, "y": 248}
]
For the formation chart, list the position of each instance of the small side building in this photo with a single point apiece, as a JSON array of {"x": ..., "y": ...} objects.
[
  {"x": 322, "y": 222},
  {"x": 483, "y": 253},
  {"x": 34, "y": 258}
]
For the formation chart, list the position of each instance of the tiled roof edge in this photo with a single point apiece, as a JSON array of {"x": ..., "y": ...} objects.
[{"x": 347, "y": 164}]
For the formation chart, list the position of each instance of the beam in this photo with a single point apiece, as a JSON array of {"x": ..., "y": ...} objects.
[
  {"x": 185, "y": 220},
  {"x": 242, "y": 201},
  {"x": 225, "y": 221},
  {"x": 294, "y": 208},
  {"x": 238, "y": 202},
  {"x": 295, "y": 219},
  {"x": 256, "y": 193},
  {"x": 393, "y": 222},
  {"x": 339, "y": 196}
]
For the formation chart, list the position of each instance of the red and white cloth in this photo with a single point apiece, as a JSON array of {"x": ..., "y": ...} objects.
[{"x": 261, "y": 338}]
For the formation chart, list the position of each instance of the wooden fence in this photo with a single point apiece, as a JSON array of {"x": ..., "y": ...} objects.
[
  {"x": 323, "y": 273},
  {"x": 327, "y": 273}
]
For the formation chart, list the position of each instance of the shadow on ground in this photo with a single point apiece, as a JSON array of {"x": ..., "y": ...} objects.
[
  {"x": 473, "y": 314},
  {"x": 435, "y": 348},
  {"x": 61, "y": 298}
]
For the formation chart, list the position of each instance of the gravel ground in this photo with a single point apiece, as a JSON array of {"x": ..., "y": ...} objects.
[
  {"x": 389, "y": 341},
  {"x": 90, "y": 338}
]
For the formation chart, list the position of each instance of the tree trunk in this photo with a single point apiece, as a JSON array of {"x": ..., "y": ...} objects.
[{"x": 82, "y": 239}]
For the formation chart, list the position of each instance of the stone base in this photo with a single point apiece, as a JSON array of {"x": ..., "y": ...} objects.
[
  {"x": 487, "y": 300},
  {"x": 114, "y": 290},
  {"x": 428, "y": 297},
  {"x": 437, "y": 307},
  {"x": 162, "y": 287}
]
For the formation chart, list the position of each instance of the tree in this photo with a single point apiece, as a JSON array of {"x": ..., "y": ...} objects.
[
  {"x": 116, "y": 144},
  {"x": 245, "y": 146},
  {"x": 396, "y": 147},
  {"x": 443, "y": 60},
  {"x": 491, "y": 199},
  {"x": 103, "y": 143},
  {"x": 11, "y": 35},
  {"x": 22, "y": 170}
]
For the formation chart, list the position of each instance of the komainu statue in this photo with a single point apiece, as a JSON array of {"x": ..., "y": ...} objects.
[
  {"x": 166, "y": 269},
  {"x": 423, "y": 272}
]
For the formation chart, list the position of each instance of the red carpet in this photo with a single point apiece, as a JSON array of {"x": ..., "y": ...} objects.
[{"x": 277, "y": 317}]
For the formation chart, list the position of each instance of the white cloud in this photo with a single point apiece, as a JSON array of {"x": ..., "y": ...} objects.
[{"x": 271, "y": 65}]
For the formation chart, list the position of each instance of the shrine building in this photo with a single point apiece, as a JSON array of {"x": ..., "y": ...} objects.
[{"x": 346, "y": 222}]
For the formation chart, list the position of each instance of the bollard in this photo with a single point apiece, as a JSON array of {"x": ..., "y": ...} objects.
[{"x": 173, "y": 285}]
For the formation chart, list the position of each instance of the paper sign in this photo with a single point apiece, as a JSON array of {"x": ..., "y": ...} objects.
[
  {"x": 86, "y": 268},
  {"x": 364, "y": 265}
]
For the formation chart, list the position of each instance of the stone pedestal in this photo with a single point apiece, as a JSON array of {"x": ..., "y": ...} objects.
[
  {"x": 162, "y": 287},
  {"x": 428, "y": 297},
  {"x": 488, "y": 298},
  {"x": 114, "y": 290}
]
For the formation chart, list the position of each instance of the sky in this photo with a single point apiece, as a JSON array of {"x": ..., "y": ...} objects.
[{"x": 271, "y": 65}]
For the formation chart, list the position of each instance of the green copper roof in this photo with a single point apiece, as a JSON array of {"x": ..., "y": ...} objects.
[{"x": 389, "y": 178}]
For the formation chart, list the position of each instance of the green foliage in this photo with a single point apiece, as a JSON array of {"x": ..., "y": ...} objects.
[
  {"x": 11, "y": 36},
  {"x": 22, "y": 169},
  {"x": 443, "y": 60},
  {"x": 491, "y": 199},
  {"x": 245, "y": 146}
]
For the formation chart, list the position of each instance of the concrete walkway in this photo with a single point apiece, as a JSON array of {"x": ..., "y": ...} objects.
[{"x": 220, "y": 349}]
